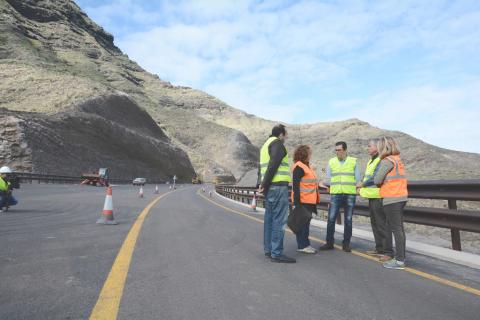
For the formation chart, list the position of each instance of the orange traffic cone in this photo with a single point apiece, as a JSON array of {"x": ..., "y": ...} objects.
[
  {"x": 254, "y": 202},
  {"x": 156, "y": 189},
  {"x": 107, "y": 214},
  {"x": 140, "y": 192}
]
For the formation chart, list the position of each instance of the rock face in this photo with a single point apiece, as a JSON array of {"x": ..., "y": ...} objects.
[
  {"x": 107, "y": 131},
  {"x": 14, "y": 150}
]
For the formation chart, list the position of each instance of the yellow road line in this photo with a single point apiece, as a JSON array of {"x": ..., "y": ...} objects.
[
  {"x": 108, "y": 302},
  {"x": 366, "y": 256}
]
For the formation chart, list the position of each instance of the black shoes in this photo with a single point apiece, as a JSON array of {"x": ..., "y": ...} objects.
[
  {"x": 283, "y": 259},
  {"x": 326, "y": 246},
  {"x": 267, "y": 254},
  {"x": 346, "y": 247}
]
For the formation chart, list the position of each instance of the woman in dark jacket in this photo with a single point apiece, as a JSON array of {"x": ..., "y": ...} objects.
[{"x": 305, "y": 193}]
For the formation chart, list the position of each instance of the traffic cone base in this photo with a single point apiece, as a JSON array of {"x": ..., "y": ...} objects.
[{"x": 107, "y": 214}]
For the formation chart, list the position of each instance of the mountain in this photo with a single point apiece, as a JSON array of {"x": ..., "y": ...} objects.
[
  {"x": 55, "y": 61},
  {"x": 423, "y": 161},
  {"x": 52, "y": 57}
]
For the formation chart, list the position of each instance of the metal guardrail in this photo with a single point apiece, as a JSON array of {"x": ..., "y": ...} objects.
[
  {"x": 450, "y": 190},
  {"x": 27, "y": 177}
]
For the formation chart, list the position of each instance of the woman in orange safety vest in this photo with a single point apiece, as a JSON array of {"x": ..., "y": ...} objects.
[
  {"x": 392, "y": 181},
  {"x": 304, "y": 192}
]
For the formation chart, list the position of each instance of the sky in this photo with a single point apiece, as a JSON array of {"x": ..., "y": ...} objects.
[{"x": 412, "y": 66}]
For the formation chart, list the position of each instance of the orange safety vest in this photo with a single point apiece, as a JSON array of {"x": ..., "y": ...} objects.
[
  {"x": 395, "y": 184},
  {"x": 308, "y": 185}
]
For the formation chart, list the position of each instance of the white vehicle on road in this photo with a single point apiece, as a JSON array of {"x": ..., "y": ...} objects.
[{"x": 139, "y": 181}]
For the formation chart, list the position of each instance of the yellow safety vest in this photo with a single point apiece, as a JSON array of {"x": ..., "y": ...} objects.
[
  {"x": 283, "y": 172},
  {"x": 371, "y": 192},
  {"x": 4, "y": 185},
  {"x": 342, "y": 176}
]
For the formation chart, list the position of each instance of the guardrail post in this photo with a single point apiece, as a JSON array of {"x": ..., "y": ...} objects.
[{"x": 455, "y": 233}]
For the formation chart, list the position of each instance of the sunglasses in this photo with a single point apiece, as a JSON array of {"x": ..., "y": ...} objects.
[{"x": 338, "y": 150}]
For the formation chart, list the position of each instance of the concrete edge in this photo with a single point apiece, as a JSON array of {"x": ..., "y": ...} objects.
[{"x": 458, "y": 257}]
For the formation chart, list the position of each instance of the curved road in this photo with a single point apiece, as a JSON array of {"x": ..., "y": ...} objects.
[{"x": 194, "y": 259}]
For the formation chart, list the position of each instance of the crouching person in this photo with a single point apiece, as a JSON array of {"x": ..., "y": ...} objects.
[{"x": 6, "y": 186}]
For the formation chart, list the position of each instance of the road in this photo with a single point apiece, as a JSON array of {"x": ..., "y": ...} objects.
[{"x": 194, "y": 259}]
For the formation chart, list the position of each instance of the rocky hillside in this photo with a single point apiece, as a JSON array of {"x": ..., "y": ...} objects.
[
  {"x": 111, "y": 131},
  {"x": 53, "y": 58},
  {"x": 424, "y": 161}
]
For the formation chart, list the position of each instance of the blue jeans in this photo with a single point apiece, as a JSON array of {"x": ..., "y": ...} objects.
[
  {"x": 3, "y": 200},
  {"x": 302, "y": 237},
  {"x": 275, "y": 219},
  {"x": 337, "y": 201}
]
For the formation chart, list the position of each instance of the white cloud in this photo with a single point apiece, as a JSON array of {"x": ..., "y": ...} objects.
[
  {"x": 443, "y": 116},
  {"x": 279, "y": 59}
]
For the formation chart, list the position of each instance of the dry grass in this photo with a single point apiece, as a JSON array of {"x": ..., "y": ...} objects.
[{"x": 30, "y": 88}]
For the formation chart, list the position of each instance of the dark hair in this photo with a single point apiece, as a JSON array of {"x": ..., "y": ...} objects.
[
  {"x": 278, "y": 130},
  {"x": 301, "y": 153},
  {"x": 341, "y": 143}
]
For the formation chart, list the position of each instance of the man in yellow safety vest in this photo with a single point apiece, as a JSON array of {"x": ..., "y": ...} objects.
[
  {"x": 382, "y": 235},
  {"x": 6, "y": 198},
  {"x": 274, "y": 180},
  {"x": 342, "y": 178}
]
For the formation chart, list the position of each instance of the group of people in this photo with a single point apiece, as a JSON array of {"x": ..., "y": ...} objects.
[
  {"x": 6, "y": 187},
  {"x": 384, "y": 184}
]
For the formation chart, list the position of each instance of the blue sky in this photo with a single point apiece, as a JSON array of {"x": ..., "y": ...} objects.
[{"x": 403, "y": 65}]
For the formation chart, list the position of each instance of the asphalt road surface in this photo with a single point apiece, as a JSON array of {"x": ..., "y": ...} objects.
[{"x": 196, "y": 260}]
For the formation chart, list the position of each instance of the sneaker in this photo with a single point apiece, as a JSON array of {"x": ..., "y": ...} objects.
[
  {"x": 385, "y": 258},
  {"x": 283, "y": 259},
  {"x": 308, "y": 250},
  {"x": 394, "y": 264},
  {"x": 346, "y": 247},
  {"x": 326, "y": 246},
  {"x": 267, "y": 254}
]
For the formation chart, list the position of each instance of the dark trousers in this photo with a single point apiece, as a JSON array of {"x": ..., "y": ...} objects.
[
  {"x": 4, "y": 198},
  {"x": 381, "y": 233},
  {"x": 394, "y": 214},
  {"x": 302, "y": 237},
  {"x": 337, "y": 201}
]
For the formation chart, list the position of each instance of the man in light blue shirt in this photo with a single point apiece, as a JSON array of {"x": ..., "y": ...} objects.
[{"x": 343, "y": 176}]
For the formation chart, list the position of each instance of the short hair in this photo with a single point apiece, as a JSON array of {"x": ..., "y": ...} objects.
[
  {"x": 301, "y": 153},
  {"x": 387, "y": 147},
  {"x": 341, "y": 143},
  {"x": 278, "y": 130}
]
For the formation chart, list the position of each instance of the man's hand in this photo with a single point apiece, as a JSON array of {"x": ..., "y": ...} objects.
[
  {"x": 360, "y": 185},
  {"x": 322, "y": 185},
  {"x": 260, "y": 189}
]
